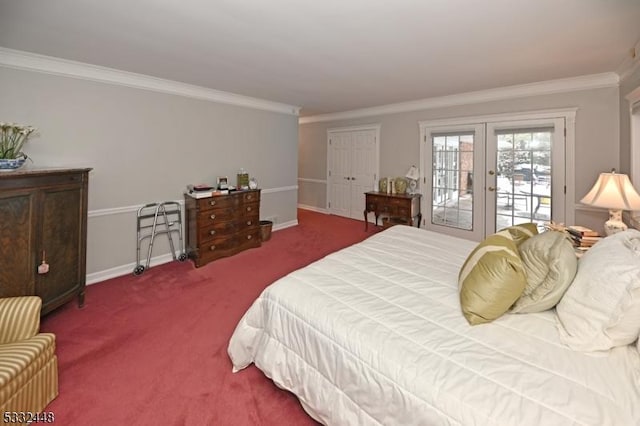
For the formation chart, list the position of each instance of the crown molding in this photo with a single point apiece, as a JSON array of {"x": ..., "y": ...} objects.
[
  {"x": 21, "y": 60},
  {"x": 593, "y": 81}
]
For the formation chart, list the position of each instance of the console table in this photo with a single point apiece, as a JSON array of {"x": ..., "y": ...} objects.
[{"x": 403, "y": 206}]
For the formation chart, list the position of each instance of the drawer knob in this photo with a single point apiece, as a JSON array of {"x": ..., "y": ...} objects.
[
  {"x": 249, "y": 222},
  {"x": 213, "y": 203},
  {"x": 248, "y": 209},
  {"x": 212, "y": 248},
  {"x": 213, "y": 216},
  {"x": 212, "y": 232},
  {"x": 248, "y": 237},
  {"x": 249, "y": 197}
]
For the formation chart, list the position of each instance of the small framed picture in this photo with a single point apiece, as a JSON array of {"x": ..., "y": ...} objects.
[{"x": 223, "y": 182}]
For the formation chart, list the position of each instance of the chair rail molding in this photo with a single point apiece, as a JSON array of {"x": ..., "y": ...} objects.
[
  {"x": 309, "y": 180},
  {"x": 134, "y": 208}
]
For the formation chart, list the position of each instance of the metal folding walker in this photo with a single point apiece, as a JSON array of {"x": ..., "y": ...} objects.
[{"x": 160, "y": 218}]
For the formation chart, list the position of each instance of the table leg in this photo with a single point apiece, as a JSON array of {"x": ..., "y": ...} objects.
[
  {"x": 366, "y": 222},
  {"x": 538, "y": 200},
  {"x": 419, "y": 220}
]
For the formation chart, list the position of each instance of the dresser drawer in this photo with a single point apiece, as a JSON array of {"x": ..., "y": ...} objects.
[
  {"x": 218, "y": 214},
  {"x": 217, "y": 203},
  {"x": 249, "y": 221},
  {"x": 249, "y": 238},
  {"x": 250, "y": 197},
  {"x": 218, "y": 245},
  {"x": 217, "y": 229},
  {"x": 399, "y": 201},
  {"x": 247, "y": 210}
]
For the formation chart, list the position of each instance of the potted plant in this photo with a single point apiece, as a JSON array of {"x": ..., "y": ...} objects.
[{"x": 12, "y": 137}]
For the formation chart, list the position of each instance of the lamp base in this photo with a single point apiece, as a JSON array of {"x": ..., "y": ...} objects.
[
  {"x": 413, "y": 184},
  {"x": 615, "y": 223}
]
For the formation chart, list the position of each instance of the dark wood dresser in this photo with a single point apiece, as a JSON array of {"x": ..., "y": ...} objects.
[
  {"x": 43, "y": 218},
  {"x": 222, "y": 225},
  {"x": 405, "y": 207}
]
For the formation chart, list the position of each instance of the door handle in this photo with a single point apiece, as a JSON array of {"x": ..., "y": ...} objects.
[
  {"x": 491, "y": 188},
  {"x": 352, "y": 178}
]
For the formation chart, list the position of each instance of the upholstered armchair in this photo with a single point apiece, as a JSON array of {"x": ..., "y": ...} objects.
[{"x": 28, "y": 364}]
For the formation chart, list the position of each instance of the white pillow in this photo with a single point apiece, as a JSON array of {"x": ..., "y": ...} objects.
[{"x": 601, "y": 308}]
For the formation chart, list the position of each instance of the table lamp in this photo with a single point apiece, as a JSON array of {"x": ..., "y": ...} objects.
[
  {"x": 613, "y": 191},
  {"x": 413, "y": 174}
]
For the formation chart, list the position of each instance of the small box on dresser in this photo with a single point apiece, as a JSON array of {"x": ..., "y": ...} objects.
[{"x": 222, "y": 225}]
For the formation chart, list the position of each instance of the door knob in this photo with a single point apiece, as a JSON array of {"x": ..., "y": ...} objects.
[
  {"x": 491, "y": 172},
  {"x": 491, "y": 188}
]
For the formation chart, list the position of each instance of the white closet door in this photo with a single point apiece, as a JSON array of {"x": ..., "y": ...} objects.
[
  {"x": 340, "y": 174},
  {"x": 363, "y": 169},
  {"x": 353, "y": 169}
]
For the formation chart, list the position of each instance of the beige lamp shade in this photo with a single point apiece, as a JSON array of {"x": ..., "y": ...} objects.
[
  {"x": 613, "y": 191},
  {"x": 413, "y": 173}
]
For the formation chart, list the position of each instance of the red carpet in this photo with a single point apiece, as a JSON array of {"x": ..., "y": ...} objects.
[{"x": 152, "y": 349}]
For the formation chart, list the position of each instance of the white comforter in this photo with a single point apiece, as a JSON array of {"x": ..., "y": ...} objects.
[{"x": 373, "y": 334}]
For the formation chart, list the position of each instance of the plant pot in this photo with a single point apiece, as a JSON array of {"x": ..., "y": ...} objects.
[{"x": 10, "y": 164}]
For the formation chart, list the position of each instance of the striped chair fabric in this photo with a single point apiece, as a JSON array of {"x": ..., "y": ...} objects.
[{"x": 28, "y": 364}]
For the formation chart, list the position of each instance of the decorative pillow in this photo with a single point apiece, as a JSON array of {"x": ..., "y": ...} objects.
[
  {"x": 522, "y": 232},
  {"x": 601, "y": 308},
  {"x": 550, "y": 265},
  {"x": 491, "y": 279}
]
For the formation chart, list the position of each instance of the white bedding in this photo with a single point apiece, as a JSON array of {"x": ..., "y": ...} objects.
[{"x": 373, "y": 334}]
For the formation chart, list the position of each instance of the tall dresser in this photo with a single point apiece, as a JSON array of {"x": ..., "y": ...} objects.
[
  {"x": 43, "y": 234},
  {"x": 222, "y": 225}
]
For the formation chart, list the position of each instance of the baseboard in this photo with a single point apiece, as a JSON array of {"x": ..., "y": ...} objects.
[
  {"x": 285, "y": 225},
  {"x": 118, "y": 271},
  {"x": 313, "y": 209}
]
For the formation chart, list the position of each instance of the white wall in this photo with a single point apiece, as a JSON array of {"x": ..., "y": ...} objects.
[
  {"x": 597, "y": 140},
  {"x": 146, "y": 146}
]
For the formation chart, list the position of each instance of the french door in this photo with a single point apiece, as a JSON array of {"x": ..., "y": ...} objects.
[
  {"x": 353, "y": 161},
  {"x": 484, "y": 176}
]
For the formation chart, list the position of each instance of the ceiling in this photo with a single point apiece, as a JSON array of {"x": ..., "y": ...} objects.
[{"x": 332, "y": 55}]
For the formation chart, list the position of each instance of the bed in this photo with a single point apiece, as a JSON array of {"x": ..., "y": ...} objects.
[{"x": 373, "y": 334}]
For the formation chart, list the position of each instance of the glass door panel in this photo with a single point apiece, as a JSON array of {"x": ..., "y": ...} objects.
[
  {"x": 454, "y": 194},
  {"x": 523, "y": 173}
]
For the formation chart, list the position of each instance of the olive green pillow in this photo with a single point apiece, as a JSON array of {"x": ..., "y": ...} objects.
[
  {"x": 550, "y": 264},
  {"x": 491, "y": 279},
  {"x": 522, "y": 232}
]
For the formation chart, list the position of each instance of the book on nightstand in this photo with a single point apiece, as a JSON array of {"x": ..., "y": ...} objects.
[
  {"x": 583, "y": 237},
  {"x": 581, "y": 231}
]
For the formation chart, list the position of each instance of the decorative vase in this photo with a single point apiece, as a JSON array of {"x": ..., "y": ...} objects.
[
  {"x": 9, "y": 164},
  {"x": 400, "y": 185},
  {"x": 382, "y": 185}
]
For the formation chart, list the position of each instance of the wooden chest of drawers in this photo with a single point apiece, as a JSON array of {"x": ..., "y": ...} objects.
[
  {"x": 405, "y": 207},
  {"x": 222, "y": 225}
]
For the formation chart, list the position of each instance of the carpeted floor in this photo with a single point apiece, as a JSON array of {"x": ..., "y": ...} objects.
[{"x": 152, "y": 349}]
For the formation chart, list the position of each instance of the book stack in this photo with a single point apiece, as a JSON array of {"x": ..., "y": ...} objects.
[
  {"x": 582, "y": 236},
  {"x": 200, "y": 191}
]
